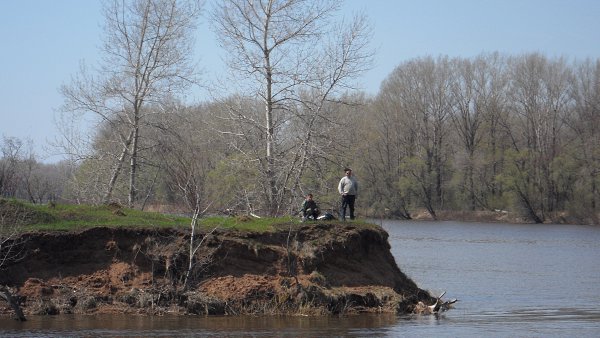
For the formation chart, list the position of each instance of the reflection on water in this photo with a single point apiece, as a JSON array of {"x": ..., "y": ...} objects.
[
  {"x": 178, "y": 326},
  {"x": 511, "y": 280}
]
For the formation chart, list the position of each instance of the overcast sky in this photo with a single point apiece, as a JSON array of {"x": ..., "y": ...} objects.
[{"x": 43, "y": 42}]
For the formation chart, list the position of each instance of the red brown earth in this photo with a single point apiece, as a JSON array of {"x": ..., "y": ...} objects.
[{"x": 318, "y": 268}]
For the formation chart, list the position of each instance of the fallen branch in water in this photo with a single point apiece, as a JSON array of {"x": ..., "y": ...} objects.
[{"x": 438, "y": 306}]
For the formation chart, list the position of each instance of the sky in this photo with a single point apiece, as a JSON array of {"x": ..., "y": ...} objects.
[{"x": 43, "y": 42}]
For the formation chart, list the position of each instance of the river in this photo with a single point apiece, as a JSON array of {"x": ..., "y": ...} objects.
[{"x": 511, "y": 280}]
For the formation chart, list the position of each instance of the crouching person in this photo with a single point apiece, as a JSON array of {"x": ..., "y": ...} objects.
[{"x": 309, "y": 208}]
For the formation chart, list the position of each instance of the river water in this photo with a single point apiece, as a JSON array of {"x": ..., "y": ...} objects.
[{"x": 511, "y": 280}]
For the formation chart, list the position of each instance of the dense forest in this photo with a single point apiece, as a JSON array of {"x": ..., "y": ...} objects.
[{"x": 517, "y": 133}]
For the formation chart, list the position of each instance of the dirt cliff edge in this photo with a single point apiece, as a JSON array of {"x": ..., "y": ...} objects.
[{"x": 317, "y": 268}]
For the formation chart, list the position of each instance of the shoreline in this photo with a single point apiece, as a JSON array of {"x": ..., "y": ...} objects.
[{"x": 498, "y": 216}]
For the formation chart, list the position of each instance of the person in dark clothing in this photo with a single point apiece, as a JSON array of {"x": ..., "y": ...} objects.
[{"x": 309, "y": 208}]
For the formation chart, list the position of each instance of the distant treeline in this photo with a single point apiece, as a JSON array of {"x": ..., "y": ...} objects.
[{"x": 493, "y": 132}]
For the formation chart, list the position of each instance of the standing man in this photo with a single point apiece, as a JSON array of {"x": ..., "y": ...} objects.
[{"x": 348, "y": 187}]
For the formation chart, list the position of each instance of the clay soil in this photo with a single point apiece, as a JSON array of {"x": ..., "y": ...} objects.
[{"x": 311, "y": 269}]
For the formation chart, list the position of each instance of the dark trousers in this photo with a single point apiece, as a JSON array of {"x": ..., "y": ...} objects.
[
  {"x": 310, "y": 212},
  {"x": 347, "y": 201}
]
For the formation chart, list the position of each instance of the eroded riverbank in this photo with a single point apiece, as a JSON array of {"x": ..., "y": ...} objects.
[{"x": 316, "y": 268}]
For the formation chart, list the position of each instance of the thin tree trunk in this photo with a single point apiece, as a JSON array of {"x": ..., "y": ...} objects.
[
  {"x": 5, "y": 293},
  {"x": 472, "y": 199},
  {"x": 270, "y": 143},
  {"x": 117, "y": 170},
  {"x": 149, "y": 192},
  {"x": 529, "y": 208},
  {"x": 133, "y": 167},
  {"x": 594, "y": 191},
  {"x": 191, "y": 251}
]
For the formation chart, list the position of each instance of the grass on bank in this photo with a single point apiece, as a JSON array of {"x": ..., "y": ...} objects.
[
  {"x": 62, "y": 217},
  {"x": 246, "y": 223},
  {"x": 65, "y": 217}
]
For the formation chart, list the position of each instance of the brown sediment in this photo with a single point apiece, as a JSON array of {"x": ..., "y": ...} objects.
[{"x": 317, "y": 268}]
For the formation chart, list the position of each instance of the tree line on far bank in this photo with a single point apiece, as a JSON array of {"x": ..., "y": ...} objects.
[{"x": 517, "y": 133}]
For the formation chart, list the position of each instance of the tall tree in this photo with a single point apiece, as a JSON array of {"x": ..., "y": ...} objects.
[
  {"x": 584, "y": 123},
  {"x": 389, "y": 141},
  {"x": 492, "y": 83},
  {"x": 539, "y": 93},
  {"x": 12, "y": 151},
  {"x": 291, "y": 55},
  {"x": 478, "y": 89},
  {"x": 422, "y": 90},
  {"x": 467, "y": 118},
  {"x": 146, "y": 60}
]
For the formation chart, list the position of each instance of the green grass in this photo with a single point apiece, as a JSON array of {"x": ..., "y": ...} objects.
[
  {"x": 245, "y": 223},
  {"x": 65, "y": 217},
  {"x": 71, "y": 217}
]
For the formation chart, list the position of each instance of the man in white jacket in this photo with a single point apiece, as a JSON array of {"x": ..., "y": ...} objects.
[{"x": 348, "y": 187}]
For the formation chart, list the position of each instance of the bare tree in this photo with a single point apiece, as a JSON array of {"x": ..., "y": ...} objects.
[
  {"x": 421, "y": 90},
  {"x": 539, "y": 93},
  {"x": 147, "y": 50},
  {"x": 389, "y": 142},
  {"x": 478, "y": 89},
  {"x": 584, "y": 124},
  {"x": 200, "y": 255},
  {"x": 492, "y": 87},
  {"x": 12, "y": 150},
  {"x": 11, "y": 248},
  {"x": 467, "y": 119},
  {"x": 296, "y": 60},
  {"x": 188, "y": 150}
]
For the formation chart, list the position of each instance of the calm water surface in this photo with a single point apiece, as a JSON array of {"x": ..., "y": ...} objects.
[{"x": 511, "y": 280}]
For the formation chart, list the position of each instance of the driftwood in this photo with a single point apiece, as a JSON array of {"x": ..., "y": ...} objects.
[
  {"x": 437, "y": 307},
  {"x": 7, "y": 296}
]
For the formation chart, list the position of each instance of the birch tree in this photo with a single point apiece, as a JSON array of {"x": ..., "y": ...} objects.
[
  {"x": 146, "y": 59},
  {"x": 292, "y": 56}
]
